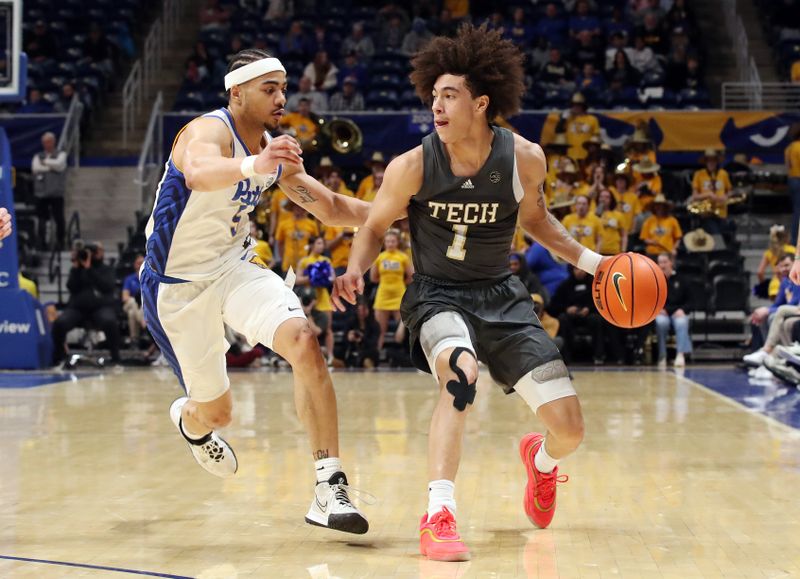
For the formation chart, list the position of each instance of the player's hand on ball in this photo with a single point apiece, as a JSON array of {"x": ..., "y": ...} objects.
[
  {"x": 283, "y": 150},
  {"x": 5, "y": 223},
  {"x": 347, "y": 287},
  {"x": 794, "y": 274}
]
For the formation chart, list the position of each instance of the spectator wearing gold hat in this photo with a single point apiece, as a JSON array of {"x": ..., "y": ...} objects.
[
  {"x": 639, "y": 146},
  {"x": 582, "y": 225},
  {"x": 566, "y": 183},
  {"x": 593, "y": 158},
  {"x": 661, "y": 232},
  {"x": 370, "y": 184},
  {"x": 713, "y": 184},
  {"x": 557, "y": 158},
  {"x": 650, "y": 184},
  {"x": 581, "y": 126}
]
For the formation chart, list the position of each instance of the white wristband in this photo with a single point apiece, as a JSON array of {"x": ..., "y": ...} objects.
[
  {"x": 589, "y": 261},
  {"x": 248, "y": 166}
]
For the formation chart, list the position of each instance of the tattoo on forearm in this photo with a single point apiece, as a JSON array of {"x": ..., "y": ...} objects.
[
  {"x": 320, "y": 454},
  {"x": 304, "y": 194},
  {"x": 540, "y": 201},
  {"x": 559, "y": 226}
]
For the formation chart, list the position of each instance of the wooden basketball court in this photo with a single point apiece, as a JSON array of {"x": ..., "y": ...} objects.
[{"x": 672, "y": 481}]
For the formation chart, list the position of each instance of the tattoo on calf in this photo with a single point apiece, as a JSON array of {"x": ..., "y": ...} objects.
[
  {"x": 320, "y": 454},
  {"x": 304, "y": 194}
]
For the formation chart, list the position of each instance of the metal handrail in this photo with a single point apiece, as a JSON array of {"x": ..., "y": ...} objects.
[
  {"x": 70, "y": 139},
  {"x": 131, "y": 99},
  {"x": 152, "y": 154},
  {"x": 144, "y": 72},
  {"x": 778, "y": 96}
]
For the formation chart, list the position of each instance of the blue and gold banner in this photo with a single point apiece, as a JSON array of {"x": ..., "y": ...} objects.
[{"x": 679, "y": 136}]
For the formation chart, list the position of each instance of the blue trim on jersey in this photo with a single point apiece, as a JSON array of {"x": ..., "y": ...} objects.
[
  {"x": 235, "y": 132},
  {"x": 173, "y": 196},
  {"x": 150, "y": 285}
]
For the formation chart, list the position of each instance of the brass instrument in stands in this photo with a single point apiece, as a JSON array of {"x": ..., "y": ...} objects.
[
  {"x": 706, "y": 207},
  {"x": 342, "y": 135}
]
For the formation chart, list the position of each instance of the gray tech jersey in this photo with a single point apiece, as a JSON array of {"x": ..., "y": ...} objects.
[{"x": 462, "y": 227}]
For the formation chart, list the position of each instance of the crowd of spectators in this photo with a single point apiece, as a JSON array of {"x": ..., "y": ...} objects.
[{"x": 618, "y": 53}]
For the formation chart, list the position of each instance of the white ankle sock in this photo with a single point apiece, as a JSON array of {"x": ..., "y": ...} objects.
[
  {"x": 326, "y": 467},
  {"x": 441, "y": 494},
  {"x": 543, "y": 461}
]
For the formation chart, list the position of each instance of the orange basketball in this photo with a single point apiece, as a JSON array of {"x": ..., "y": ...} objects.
[{"x": 629, "y": 290}]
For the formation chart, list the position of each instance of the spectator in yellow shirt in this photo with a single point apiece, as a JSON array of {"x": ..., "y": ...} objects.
[
  {"x": 778, "y": 245},
  {"x": 650, "y": 184},
  {"x": 294, "y": 235},
  {"x": 713, "y": 184},
  {"x": 661, "y": 232},
  {"x": 392, "y": 272},
  {"x": 565, "y": 184},
  {"x": 338, "y": 241},
  {"x": 613, "y": 235},
  {"x": 333, "y": 181},
  {"x": 627, "y": 199},
  {"x": 582, "y": 225},
  {"x": 795, "y": 72},
  {"x": 370, "y": 184},
  {"x": 261, "y": 248},
  {"x": 792, "y": 156},
  {"x": 581, "y": 126},
  {"x": 324, "y": 306},
  {"x": 304, "y": 128}
]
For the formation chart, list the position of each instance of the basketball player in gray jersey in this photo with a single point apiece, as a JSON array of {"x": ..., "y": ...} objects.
[{"x": 465, "y": 188}]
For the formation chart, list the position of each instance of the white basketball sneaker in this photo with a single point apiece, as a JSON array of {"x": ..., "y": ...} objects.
[
  {"x": 333, "y": 509},
  {"x": 211, "y": 452}
]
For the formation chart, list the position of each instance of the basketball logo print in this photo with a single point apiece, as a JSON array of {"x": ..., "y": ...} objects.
[{"x": 616, "y": 279}]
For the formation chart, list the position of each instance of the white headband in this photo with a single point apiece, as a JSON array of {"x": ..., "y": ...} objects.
[{"x": 253, "y": 70}]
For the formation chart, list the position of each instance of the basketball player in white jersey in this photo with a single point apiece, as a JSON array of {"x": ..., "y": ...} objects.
[
  {"x": 200, "y": 274},
  {"x": 5, "y": 223}
]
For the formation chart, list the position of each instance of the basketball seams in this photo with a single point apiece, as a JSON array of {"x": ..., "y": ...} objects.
[
  {"x": 633, "y": 289},
  {"x": 606, "y": 301},
  {"x": 658, "y": 288}
]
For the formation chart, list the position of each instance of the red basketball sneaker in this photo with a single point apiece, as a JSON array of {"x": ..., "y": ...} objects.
[
  {"x": 540, "y": 492},
  {"x": 439, "y": 540}
]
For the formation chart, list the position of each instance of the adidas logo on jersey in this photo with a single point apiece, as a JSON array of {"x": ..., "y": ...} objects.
[{"x": 468, "y": 184}]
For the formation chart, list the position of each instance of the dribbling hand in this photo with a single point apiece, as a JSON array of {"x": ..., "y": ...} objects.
[
  {"x": 283, "y": 150},
  {"x": 5, "y": 223},
  {"x": 347, "y": 287},
  {"x": 794, "y": 274}
]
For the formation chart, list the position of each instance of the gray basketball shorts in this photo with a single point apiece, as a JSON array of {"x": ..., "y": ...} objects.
[{"x": 505, "y": 333}]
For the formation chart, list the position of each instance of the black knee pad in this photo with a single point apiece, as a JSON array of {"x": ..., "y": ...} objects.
[{"x": 463, "y": 392}]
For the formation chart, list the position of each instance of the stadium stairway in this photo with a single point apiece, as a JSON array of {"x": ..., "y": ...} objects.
[
  {"x": 720, "y": 61},
  {"x": 759, "y": 48},
  {"x": 106, "y": 134}
]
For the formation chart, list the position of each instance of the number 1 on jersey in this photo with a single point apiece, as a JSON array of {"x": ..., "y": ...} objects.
[{"x": 456, "y": 249}]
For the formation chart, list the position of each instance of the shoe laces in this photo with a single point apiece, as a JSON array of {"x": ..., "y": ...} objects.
[
  {"x": 546, "y": 488},
  {"x": 341, "y": 492},
  {"x": 444, "y": 524}
]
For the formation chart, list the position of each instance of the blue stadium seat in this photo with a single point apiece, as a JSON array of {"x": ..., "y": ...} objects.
[
  {"x": 189, "y": 101},
  {"x": 387, "y": 100},
  {"x": 386, "y": 82}
]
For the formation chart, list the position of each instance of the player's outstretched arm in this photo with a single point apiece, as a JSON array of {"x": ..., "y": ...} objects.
[
  {"x": 402, "y": 180},
  {"x": 534, "y": 216},
  {"x": 329, "y": 207},
  {"x": 5, "y": 223},
  {"x": 203, "y": 152}
]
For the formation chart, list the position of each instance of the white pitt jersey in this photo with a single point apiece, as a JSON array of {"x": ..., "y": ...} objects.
[{"x": 199, "y": 235}]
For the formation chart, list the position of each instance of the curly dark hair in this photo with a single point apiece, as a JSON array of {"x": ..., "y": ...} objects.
[{"x": 490, "y": 64}]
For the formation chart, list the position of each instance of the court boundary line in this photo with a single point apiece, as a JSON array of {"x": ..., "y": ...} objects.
[
  {"x": 739, "y": 405},
  {"x": 98, "y": 567}
]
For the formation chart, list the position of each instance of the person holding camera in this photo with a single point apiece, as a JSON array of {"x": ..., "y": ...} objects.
[
  {"x": 92, "y": 287},
  {"x": 361, "y": 338}
]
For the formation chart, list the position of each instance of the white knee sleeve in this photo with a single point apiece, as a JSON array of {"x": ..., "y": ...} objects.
[
  {"x": 546, "y": 383},
  {"x": 444, "y": 330}
]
